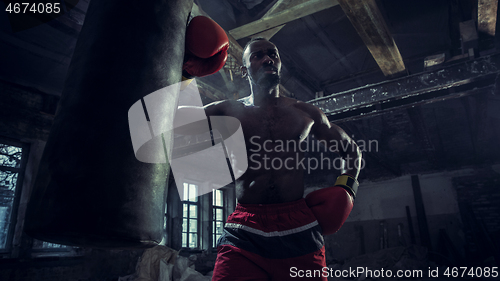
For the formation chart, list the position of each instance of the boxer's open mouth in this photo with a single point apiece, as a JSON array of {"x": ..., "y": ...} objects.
[{"x": 271, "y": 69}]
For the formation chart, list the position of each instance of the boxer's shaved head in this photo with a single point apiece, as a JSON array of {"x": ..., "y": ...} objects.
[
  {"x": 248, "y": 44},
  {"x": 261, "y": 63}
]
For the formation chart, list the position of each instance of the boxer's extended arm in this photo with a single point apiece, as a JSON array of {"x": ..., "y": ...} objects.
[
  {"x": 332, "y": 205},
  {"x": 337, "y": 140},
  {"x": 217, "y": 108}
]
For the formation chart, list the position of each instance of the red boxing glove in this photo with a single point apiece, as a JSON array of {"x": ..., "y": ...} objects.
[
  {"x": 332, "y": 205},
  {"x": 206, "y": 48}
]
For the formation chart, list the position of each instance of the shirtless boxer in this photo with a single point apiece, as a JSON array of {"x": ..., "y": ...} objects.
[{"x": 273, "y": 227}]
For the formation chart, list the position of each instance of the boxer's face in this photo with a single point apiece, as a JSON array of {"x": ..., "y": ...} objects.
[{"x": 262, "y": 64}]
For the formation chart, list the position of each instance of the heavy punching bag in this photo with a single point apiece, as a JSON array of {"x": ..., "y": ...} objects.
[{"x": 90, "y": 189}]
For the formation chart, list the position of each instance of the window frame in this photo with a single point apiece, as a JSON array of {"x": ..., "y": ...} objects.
[
  {"x": 174, "y": 216},
  {"x": 214, "y": 218},
  {"x": 198, "y": 204},
  {"x": 11, "y": 232},
  {"x": 20, "y": 245}
]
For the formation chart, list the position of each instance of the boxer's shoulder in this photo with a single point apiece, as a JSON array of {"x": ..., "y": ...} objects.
[
  {"x": 313, "y": 111},
  {"x": 224, "y": 107}
]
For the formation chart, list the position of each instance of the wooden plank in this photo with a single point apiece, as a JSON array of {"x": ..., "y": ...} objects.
[
  {"x": 370, "y": 25},
  {"x": 468, "y": 35},
  {"x": 487, "y": 16},
  {"x": 268, "y": 34},
  {"x": 281, "y": 18},
  {"x": 279, "y": 6}
]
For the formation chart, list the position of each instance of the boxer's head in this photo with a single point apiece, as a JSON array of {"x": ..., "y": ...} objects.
[{"x": 261, "y": 63}]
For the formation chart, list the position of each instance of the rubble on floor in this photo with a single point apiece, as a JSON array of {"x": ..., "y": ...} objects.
[
  {"x": 161, "y": 263},
  {"x": 413, "y": 258}
]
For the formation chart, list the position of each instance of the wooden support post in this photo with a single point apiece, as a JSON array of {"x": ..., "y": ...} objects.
[
  {"x": 425, "y": 238},
  {"x": 410, "y": 226}
]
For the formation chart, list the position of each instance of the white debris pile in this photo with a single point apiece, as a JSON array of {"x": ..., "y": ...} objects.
[{"x": 161, "y": 263}]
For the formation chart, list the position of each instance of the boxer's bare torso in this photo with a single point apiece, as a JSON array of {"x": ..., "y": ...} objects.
[
  {"x": 268, "y": 121},
  {"x": 272, "y": 130}
]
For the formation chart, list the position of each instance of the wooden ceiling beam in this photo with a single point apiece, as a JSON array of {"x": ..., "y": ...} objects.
[
  {"x": 371, "y": 27},
  {"x": 279, "y": 6},
  {"x": 452, "y": 81},
  {"x": 487, "y": 16},
  {"x": 283, "y": 17}
]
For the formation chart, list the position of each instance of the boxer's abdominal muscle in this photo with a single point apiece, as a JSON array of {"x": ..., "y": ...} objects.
[{"x": 271, "y": 132}]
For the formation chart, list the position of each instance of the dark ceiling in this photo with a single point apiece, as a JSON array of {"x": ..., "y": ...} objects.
[
  {"x": 321, "y": 51},
  {"x": 324, "y": 52},
  {"x": 327, "y": 51}
]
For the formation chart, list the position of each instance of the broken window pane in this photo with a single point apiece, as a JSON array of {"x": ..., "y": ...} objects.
[{"x": 10, "y": 163}]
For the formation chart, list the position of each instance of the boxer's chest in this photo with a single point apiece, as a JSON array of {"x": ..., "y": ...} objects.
[{"x": 274, "y": 124}]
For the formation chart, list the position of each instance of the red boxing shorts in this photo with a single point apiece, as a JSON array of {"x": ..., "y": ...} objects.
[{"x": 271, "y": 242}]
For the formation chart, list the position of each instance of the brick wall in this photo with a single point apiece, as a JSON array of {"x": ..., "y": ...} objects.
[
  {"x": 478, "y": 197},
  {"x": 25, "y": 113}
]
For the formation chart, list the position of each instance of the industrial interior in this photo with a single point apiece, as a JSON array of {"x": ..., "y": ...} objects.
[{"x": 412, "y": 82}]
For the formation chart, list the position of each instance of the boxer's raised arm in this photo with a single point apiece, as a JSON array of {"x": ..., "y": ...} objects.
[{"x": 198, "y": 117}]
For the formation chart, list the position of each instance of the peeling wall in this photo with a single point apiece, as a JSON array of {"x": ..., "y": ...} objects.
[{"x": 381, "y": 206}]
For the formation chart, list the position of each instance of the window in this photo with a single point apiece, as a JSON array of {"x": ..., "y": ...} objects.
[
  {"x": 218, "y": 215},
  {"x": 13, "y": 163},
  {"x": 190, "y": 216},
  {"x": 203, "y": 217},
  {"x": 10, "y": 169}
]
